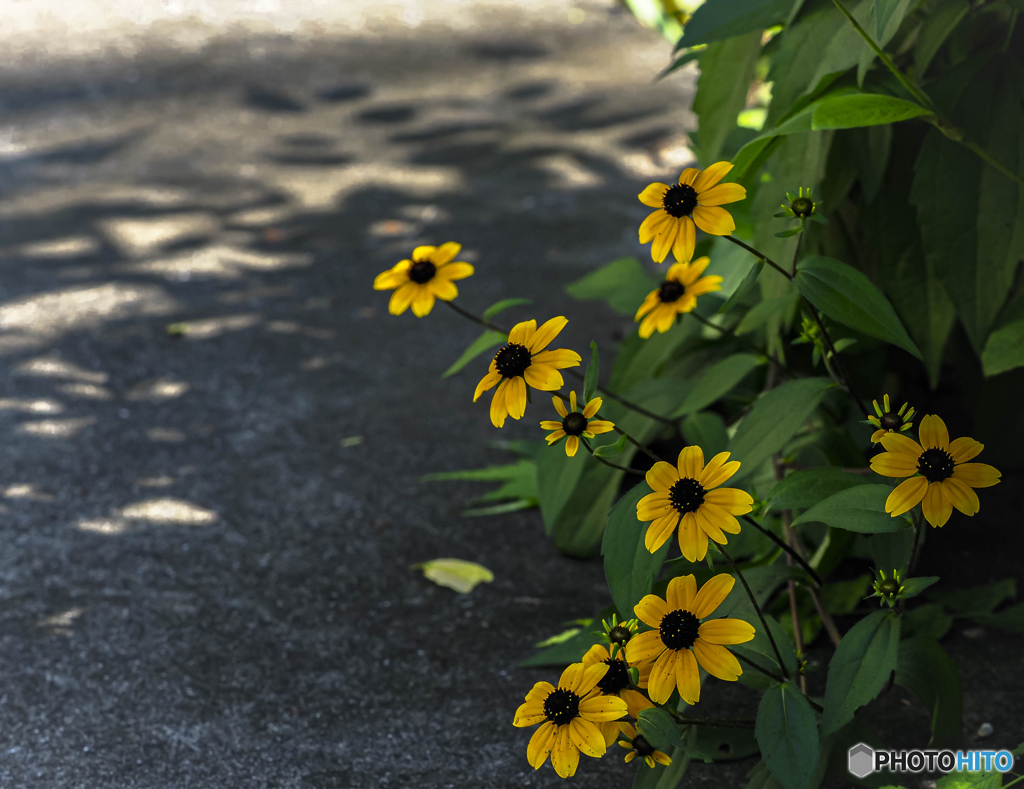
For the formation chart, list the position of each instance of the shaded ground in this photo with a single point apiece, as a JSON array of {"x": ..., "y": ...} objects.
[{"x": 206, "y": 577}]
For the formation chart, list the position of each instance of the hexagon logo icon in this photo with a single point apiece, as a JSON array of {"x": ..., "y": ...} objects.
[{"x": 861, "y": 760}]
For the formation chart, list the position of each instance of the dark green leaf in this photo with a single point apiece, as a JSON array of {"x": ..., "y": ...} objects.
[
  {"x": 788, "y": 735},
  {"x": 842, "y": 597},
  {"x": 929, "y": 673},
  {"x": 860, "y": 509},
  {"x": 774, "y": 419},
  {"x": 623, "y": 283},
  {"x": 936, "y": 28},
  {"x": 978, "y": 599},
  {"x": 752, "y": 156},
  {"x": 575, "y": 497},
  {"x": 726, "y": 69},
  {"x": 682, "y": 60},
  {"x": 717, "y": 21},
  {"x": 629, "y": 567},
  {"x": 500, "y": 509},
  {"x": 891, "y": 550},
  {"x": 847, "y": 296},
  {"x": 758, "y": 315},
  {"x": 860, "y": 668},
  {"x": 863, "y": 109},
  {"x": 659, "y": 729},
  {"x": 707, "y": 431},
  {"x": 639, "y": 359},
  {"x": 609, "y": 450},
  {"x": 484, "y": 342},
  {"x": 912, "y": 587},
  {"x": 590, "y": 379},
  {"x": 563, "y": 653},
  {"x": 1004, "y": 349},
  {"x": 925, "y": 306},
  {"x": 745, "y": 286},
  {"x": 926, "y": 621},
  {"x": 719, "y": 380},
  {"x": 884, "y": 14},
  {"x": 761, "y": 778},
  {"x": 1010, "y": 619},
  {"x": 802, "y": 489},
  {"x": 501, "y": 306}
]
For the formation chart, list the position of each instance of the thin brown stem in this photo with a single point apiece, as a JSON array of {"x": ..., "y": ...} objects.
[
  {"x": 616, "y": 466},
  {"x": 475, "y": 318},
  {"x": 758, "y": 667},
  {"x": 637, "y": 444},
  {"x": 749, "y": 345},
  {"x": 761, "y": 255},
  {"x": 789, "y": 549},
  {"x": 720, "y": 723},
  {"x": 916, "y": 518},
  {"x": 839, "y": 374}
]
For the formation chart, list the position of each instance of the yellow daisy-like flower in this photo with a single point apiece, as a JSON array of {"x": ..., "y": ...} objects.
[
  {"x": 575, "y": 423},
  {"x": 888, "y": 422},
  {"x": 569, "y": 716},
  {"x": 696, "y": 201},
  {"x": 617, "y": 682},
  {"x": 638, "y": 746},
  {"x": 523, "y": 361},
  {"x": 679, "y": 640},
  {"x": 683, "y": 497},
  {"x": 676, "y": 295},
  {"x": 940, "y": 476},
  {"x": 427, "y": 276}
]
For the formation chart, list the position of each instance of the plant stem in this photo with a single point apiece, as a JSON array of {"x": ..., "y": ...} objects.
[
  {"x": 760, "y": 668},
  {"x": 600, "y": 459},
  {"x": 721, "y": 723},
  {"x": 916, "y": 518},
  {"x": 475, "y": 318},
  {"x": 789, "y": 549},
  {"x": 840, "y": 374},
  {"x": 637, "y": 444},
  {"x": 757, "y": 608},
  {"x": 761, "y": 255},
  {"x": 749, "y": 345}
]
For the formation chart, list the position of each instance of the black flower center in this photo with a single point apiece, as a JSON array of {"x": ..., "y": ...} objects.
[
  {"x": 561, "y": 706},
  {"x": 679, "y": 629},
  {"x": 619, "y": 634},
  {"x": 935, "y": 464},
  {"x": 802, "y": 207},
  {"x": 617, "y": 677},
  {"x": 680, "y": 200},
  {"x": 574, "y": 424},
  {"x": 891, "y": 421},
  {"x": 686, "y": 495},
  {"x": 889, "y": 587},
  {"x": 422, "y": 271},
  {"x": 670, "y": 291},
  {"x": 642, "y": 747},
  {"x": 512, "y": 360}
]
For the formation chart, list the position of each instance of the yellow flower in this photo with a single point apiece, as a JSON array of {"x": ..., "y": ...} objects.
[
  {"x": 569, "y": 716},
  {"x": 638, "y": 746},
  {"x": 683, "y": 497},
  {"x": 575, "y": 423},
  {"x": 888, "y": 422},
  {"x": 696, "y": 199},
  {"x": 940, "y": 476},
  {"x": 680, "y": 640},
  {"x": 428, "y": 276},
  {"x": 617, "y": 682},
  {"x": 676, "y": 295},
  {"x": 524, "y": 361}
]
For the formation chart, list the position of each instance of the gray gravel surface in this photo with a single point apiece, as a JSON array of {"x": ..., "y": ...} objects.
[{"x": 207, "y": 577}]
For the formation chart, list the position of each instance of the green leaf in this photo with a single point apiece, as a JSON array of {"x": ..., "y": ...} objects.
[
  {"x": 863, "y": 109},
  {"x": 842, "y": 597},
  {"x": 802, "y": 489},
  {"x": 929, "y": 673},
  {"x": 629, "y": 567},
  {"x": 610, "y": 450},
  {"x": 575, "y": 497},
  {"x": 743, "y": 288},
  {"x": 726, "y": 69},
  {"x": 978, "y": 599},
  {"x": 760, "y": 648},
  {"x": 860, "y": 668},
  {"x": 662, "y": 777},
  {"x": 639, "y": 359},
  {"x": 623, "y": 283},
  {"x": 1004, "y": 349},
  {"x": 501, "y": 306},
  {"x": 860, "y": 509},
  {"x": 563, "y": 653},
  {"x": 788, "y": 735},
  {"x": 847, "y": 296},
  {"x": 1010, "y": 619},
  {"x": 456, "y": 574},
  {"x": 659, "y": 729},
  {"x": 762, "y": 312},
  {"x": 720, "y": 379},
  {"x": 707, "y": 431},
  {"x": 925, "y": 306},
  {"x": 484, "y": 342},
  {"x": 926, "y": 621},
  {"x": 884, "y": 11},
  {"x": 775, "y": 418},
  {"x": 936, "y": 28},
  {"x": 891, "y": 550},
  {"x": 500, "y": 509},
  {"x": 912, "y": 587},
  {"x": 590, "y": 379},
  {"x": 717, "y": 21}
]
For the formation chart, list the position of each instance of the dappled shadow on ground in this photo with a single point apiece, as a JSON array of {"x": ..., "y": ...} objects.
[{"x": 213, "y": 430}]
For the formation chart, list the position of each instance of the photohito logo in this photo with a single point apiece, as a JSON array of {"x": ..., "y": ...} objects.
[{"x": 862, "y": 760}]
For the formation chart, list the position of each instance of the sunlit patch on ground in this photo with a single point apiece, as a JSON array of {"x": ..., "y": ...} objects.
[{"x": 57, "y": 428}]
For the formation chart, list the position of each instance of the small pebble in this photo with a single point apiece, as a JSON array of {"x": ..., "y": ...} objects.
[
  {"x": 985, "y": 730},
  {"x": 974, "y": 632}
]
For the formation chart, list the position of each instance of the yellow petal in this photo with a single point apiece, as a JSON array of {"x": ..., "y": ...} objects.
[
  {"x": 662, "y": 476},
  {"x": 707, "y": 523},
  {"x": 558, "y": 435},
  {"x": 644, "y": 646},
  {"x": 649, "y": 325},
  {"x": 499, "y": 411},
  {"x": 894, "y": 464},
  {"x": 704, "y": 285},
  {"x": 591, "y": 676},
  {"x": 543, "y": 377},
  {"x": 635, "y": 701},
  {"x": 540, "y": 691},
  {"x": 528, "y": 715},
  {"x": 932, "y": 432},
  {"x": 556, "y": 401},
  {"x": 936, "y": 507},
  {"x": 653, "y": 195},
  {"x": 571, "y": 676},
  {"x": 726, "y": 631},
  {"x": 711, "y": 176},
  {"x": 655, "y": 223},
  {"x": 596, "y": 654},
  {"x": 443, "y": 289},
  {"x": 877, "y": 436},
  {"x": 455, "y": 271},
  {"x": 486, "y": 383},
  {"x": 718, "y": 471},
  {"x": 599, "y": 708},
  {"x": 722, "y": 519},
  {"x": 550, "y": 424},
  {"x": 663, "y": 677},
  {"x": 960, "y": 496},
  {"x": 515, "y": 397},
  {"x": 660, "y": 530},
  {"x": 732, "y": 500},
  {"x": 522, "y": 332},
  {"x": 651, "y": 610},
  {"x": 610, "y": 732},
  {"x": 902, "y": 445},
  {"x": 546, "y": 333},
  {"x": 592, "y": 407},
  {"x": 662, "y": 758},
  {"x": 402, "y": 298},
  {"x": 540, "y": 745},
  {"x": 664, "y": 240},
  {"x": 559, "y": 359},
  {"x": 690, "y": 462},
  {"x": 666, "y": 316},
  {"x": 422, "y": 253},
  {"x": 653, "y": 509},
  {"x": 598, "y": 426},
  {"x": 681, "y": 591},
  {"x": 695, "y": 270},
  {"x": 712, "y": 594},
  {"x": 689, "y": 538},
  {"x": 689, "y": 175},
  {"x": 714, "y": 220},
  {"x": 445, "y": 253},
  {"x": 688, "y": 677},
  {"x": 393, "y": 277},
  {"x": 717, "y": 660},
  {"x": 587, "y": 737},
  {"x": 906, "y": 496},
  {"x": 685, "y": 241},
  {"x": 649, "y": 304},
  {"x": 977, "y": 475},
  {"x": 572, "y": 446},
  {"x": 565, "y": 757},
  {"x": 423, "y": 303},
  {"x": 963, "y": 449},
  {"x": 721, "y": 194}
]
